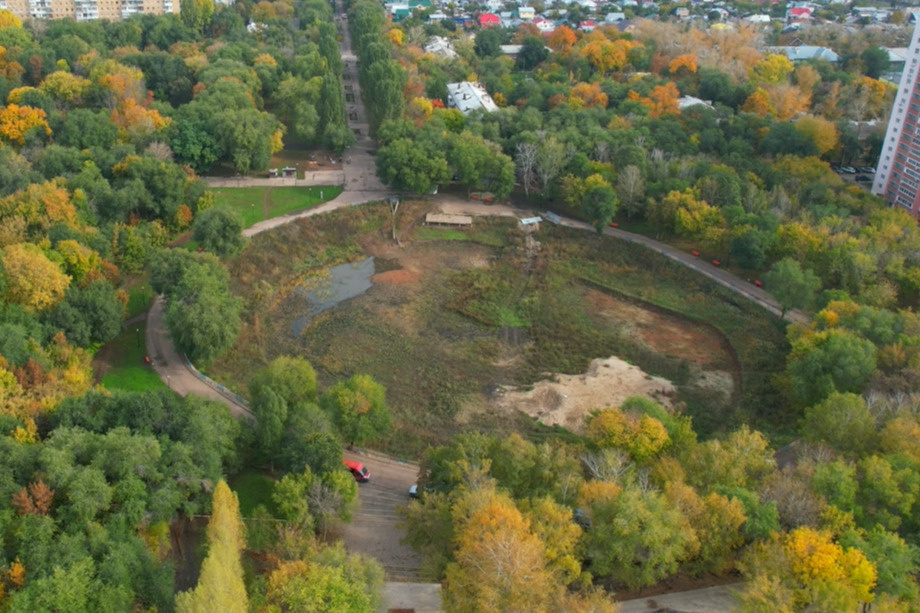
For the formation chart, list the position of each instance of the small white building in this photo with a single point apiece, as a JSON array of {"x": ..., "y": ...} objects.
[
  {"x": 527, "y": 13},
  {"x": 614, "y": 17},
  {"x": 441, "y": 47},
  {"x": 469, "y": 96}
]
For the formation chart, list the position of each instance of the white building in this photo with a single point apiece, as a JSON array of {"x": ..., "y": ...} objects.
[
  {"x": 897, "y": 176},
  {"x": 469, "y": 96}
]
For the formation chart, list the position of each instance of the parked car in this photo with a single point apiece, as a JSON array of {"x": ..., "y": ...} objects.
[
  {"x": 848, "y": 170},
  {"x": 867, "y": 169},
  {"x": 358, "y": 470},
  {"x": 863, "y": 179},
  {"x": 413, "y": 491}
]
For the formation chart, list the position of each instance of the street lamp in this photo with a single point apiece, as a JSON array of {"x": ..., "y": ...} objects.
[{"x": 137, "y": 332}]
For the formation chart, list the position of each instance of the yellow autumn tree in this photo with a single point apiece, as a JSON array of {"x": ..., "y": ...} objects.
[
  {"x": 821, "y": 132},
  {"x": 772, "y": 69},
  {"x": 79, "y": 260},
  {"x": 396, "y": 36},
  {"x": 500, "y": 564},
  {"x": 606, "y": 56},
  {"x": 32, "y": 280},
  {"x": 16, "y": 122},
  {"x": 220, "y": 585},
  {"x": 808, "y": 570},
  {"x": 641, "y": 436},
  {"x": 65, "y": 87},
  {"x": 9, "y": 20}
]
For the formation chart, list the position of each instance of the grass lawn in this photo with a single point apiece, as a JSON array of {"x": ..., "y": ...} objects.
[
  {"x": 253, "y": 488},
  {"x": 440, "y": 234},
  {"x": 255, "y": 204},
  {"x": 126, "y": 354},
  {"x": 140, "y": 297}
]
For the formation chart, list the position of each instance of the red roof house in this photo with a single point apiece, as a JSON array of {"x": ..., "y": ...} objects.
[{"x": 488, "y": 20}]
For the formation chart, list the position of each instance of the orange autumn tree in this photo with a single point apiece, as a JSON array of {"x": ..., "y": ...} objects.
[
  {"x": 587, "y": 95},
  {"x": 787, "y": 101},
  {"x": 562, "y": 39},
  {"x": 662, "y": 100},
  {"x": 135, "y": 121},
  {"x": 758, "y": 103},
  {"x": 16, "y": 122},
  {"x": 685, "y": 63}
]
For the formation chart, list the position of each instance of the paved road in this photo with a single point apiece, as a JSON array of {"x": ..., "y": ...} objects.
[{"x": 719, "y": 599}]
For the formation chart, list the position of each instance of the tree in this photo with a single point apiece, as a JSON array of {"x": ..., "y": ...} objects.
[
  {"x": 220, "y": 585},
  {"x": 822, "y": 132},
  {"x": 292, "y": 378},
  {"x": 499, "y": 562},
  {"x": 525, "y": 158},
  {"x": 637, "y": 538},
  {"x": 842, "y": 421},
  {"x": 488, "y": 42},
  {"x": 806, "y": 570},
  {"x": 772, "y": 69},
  {"x": 792, "y": 287},
  {"x": 219, "y": 230},
  {"x": 533, "y": 52},
  {"x": 875, "y": 61},
  {"x": 822, "y": 363},
  {"x": 402, "y": 164},
  {"x": 562, "y": 39},
  {"x": 203, "y": 317},
  {"x": 631, "y": 190},
  {"x": 90, "y": 315},
  {"x": 358, "y": 407},
  {"x": 17, "y": 123},
  {"x": 32, "y": 280},
  {"x": 551, "y": 158}
]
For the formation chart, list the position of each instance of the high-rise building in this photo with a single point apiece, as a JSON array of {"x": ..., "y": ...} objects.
[
  {"x": 86, "y": 10},
  {"x": 897, "y": 175}
]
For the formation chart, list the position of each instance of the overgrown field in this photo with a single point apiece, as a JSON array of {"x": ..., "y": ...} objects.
[{"x": 448, "y": 322}]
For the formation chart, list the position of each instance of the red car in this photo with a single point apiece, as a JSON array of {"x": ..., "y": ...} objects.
[{"x": 358, "y": 470}]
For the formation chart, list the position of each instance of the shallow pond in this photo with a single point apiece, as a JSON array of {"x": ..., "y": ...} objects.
[{"x": 343, "y": 282}]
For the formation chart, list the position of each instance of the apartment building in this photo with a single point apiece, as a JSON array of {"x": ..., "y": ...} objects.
[
  {"x": 86, "y": 10},
  {"x": 897, "y": 175}
]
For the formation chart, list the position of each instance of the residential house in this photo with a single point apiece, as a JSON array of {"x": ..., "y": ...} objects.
[
  {"x": 527, "y": 13},
  {"x": 586, "y": 26},
  {"x": 806, "y": 52},
  {"x": 489, "y": 20},
  {"x": 469, "y": 96},
  {"x": 614, "y": 17}
]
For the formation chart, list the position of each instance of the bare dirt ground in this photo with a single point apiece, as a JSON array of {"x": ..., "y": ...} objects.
[{"x": 566, "y": 400}]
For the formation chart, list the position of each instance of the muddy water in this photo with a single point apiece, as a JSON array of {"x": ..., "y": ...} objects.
[{"x": 344, "y": 282}]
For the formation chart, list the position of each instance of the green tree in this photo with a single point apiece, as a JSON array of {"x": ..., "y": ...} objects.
[
  {"x": 875, "y": 61},
  {"x": 402, "y": 164},
  {"x": 88, "y": 315},
  {"x": 219, "y": 230},
  {"x": 358, "y": 407},
  {"x": 203, "y": 317},
  {"x": 293, "y": 378},
  {"x": 600, "y": 205},
  {"x": 220, "y": 585},
  {"x": 638, "y": 538},
  {"x": 792, "y": 287},
  {"x": 488, "y": 42},
  {"x": 822, "y": 363},
  {"x": 842, "y": 421},
  {"x": 533, "y": 52}
]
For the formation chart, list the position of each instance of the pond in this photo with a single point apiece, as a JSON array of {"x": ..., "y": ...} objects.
[{"x": 343, "y": 282}]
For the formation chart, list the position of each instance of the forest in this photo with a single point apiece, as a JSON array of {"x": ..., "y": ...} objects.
[{"x": 104, "y": 129}]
